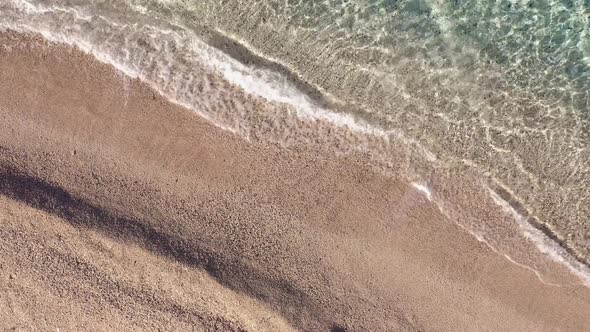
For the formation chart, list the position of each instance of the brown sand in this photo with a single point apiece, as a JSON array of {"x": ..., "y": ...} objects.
[{"x": 121, "y": 211}]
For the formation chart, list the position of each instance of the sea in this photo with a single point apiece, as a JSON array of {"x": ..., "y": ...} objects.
[{"x": 482, "y": 106}]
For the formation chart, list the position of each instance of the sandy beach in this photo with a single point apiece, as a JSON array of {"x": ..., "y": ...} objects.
[{"x": 122, "y": 211}]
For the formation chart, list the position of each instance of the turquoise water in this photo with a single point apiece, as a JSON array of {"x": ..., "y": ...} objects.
[
  {"x": 430, "y": 90},
  {"x": 544, "y": 46}
]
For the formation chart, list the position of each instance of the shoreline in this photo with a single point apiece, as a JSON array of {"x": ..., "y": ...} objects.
[
  {"x": 506, "y": 149},
  {"x": 321, "y": 241}
]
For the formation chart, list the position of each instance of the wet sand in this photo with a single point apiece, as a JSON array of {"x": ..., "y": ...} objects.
[{"x": 122, "y": 211}]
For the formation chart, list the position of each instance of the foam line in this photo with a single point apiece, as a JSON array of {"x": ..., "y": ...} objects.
[{"x": 543, "y": 243}]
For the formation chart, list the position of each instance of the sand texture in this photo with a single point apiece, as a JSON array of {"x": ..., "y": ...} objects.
[{"x": 120, "y": 211}]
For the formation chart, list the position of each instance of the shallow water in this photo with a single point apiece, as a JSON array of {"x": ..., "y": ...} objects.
[{"x": 432, "y": 90}]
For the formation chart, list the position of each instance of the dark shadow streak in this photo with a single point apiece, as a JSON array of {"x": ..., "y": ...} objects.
[{"x": 228, "y": 272}]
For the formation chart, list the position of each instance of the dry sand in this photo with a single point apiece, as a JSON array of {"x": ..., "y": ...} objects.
[{"x": 122, "y": 211}]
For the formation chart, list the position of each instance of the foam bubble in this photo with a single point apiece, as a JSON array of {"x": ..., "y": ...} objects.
[{"x": 424, "y": 189}]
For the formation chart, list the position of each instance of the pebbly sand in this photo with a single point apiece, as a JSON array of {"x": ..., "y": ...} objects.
[{"x": 122, "y": 211}]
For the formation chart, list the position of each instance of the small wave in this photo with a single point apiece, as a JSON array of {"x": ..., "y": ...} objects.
[
  {"x": 542, "y": 241},
  {"x": 272, "y": 86}
]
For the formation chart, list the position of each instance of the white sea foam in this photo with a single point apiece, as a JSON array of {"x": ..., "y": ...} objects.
[
  {"x": 34, "y": 16},
  {"x": 547, "y": 246},
  {"x": 424, "y": 189}
]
